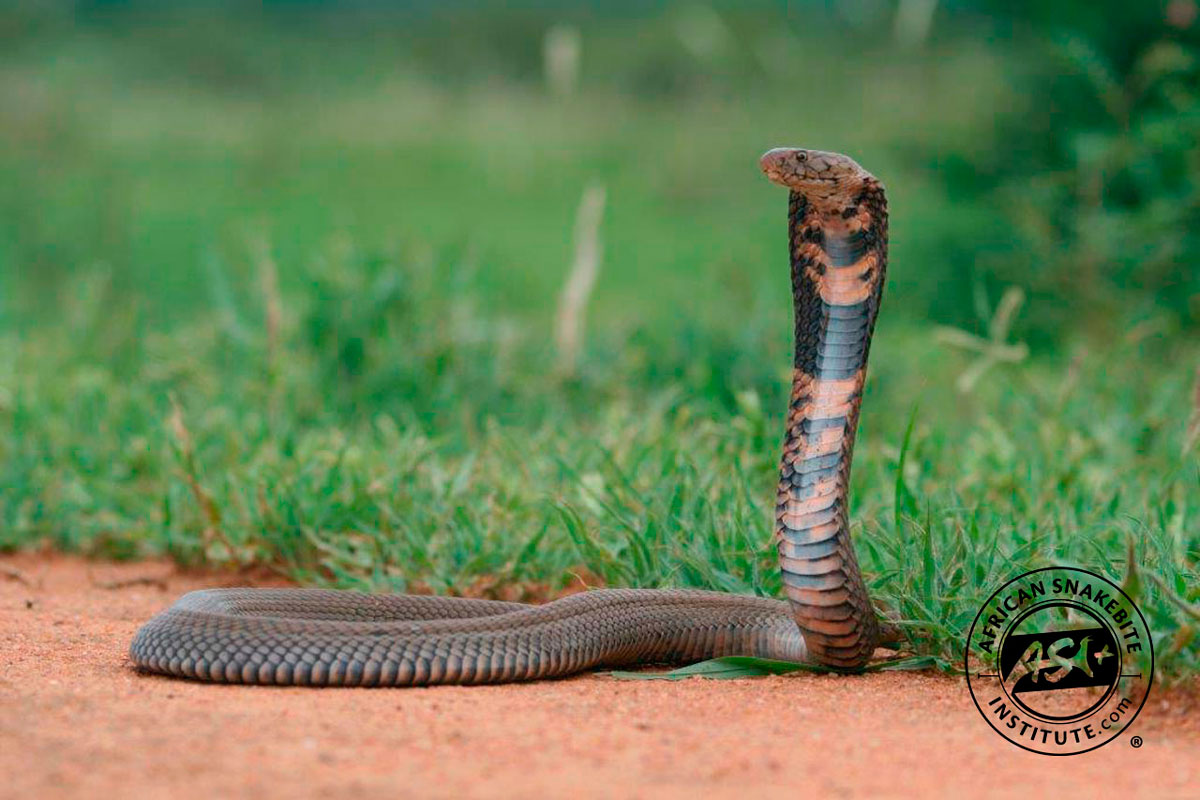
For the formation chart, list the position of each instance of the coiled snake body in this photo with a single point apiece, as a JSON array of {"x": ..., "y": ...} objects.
[{"x": 837, "y": 241}]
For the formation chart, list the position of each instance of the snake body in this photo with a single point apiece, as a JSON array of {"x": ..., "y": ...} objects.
[{"x": 837, "y": 237}]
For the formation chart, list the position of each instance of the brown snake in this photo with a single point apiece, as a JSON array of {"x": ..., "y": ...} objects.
[{"x": 837, "y": 241}]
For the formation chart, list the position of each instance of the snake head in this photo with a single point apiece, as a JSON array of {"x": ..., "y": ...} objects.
[{"x": 813, "y": 172}]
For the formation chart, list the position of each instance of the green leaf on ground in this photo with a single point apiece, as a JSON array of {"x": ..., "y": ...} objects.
[{"x": 751, "y": 667}]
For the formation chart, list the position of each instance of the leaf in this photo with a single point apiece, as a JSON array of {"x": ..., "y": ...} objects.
[
  {"x": 527, "y": 553},
  {"x": 1187, "y": 608},
  {"x": 1132, "y": 585},
  {"x": 902, "y": 494},
  {"x": 724, "y": 667},
  {"x": 594, "y": 555},
  {"x": 905, "y": 664},
  {"x": 728, "y": 667}
]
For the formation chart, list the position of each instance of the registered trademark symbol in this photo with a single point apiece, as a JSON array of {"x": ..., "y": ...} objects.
[{"x": 1032, "y": 664}]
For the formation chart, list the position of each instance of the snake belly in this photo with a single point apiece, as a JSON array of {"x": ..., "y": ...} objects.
[{"x": 837, "y": 236}]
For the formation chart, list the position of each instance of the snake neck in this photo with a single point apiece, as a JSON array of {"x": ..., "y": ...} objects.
[{"x": 838, "y": 250}]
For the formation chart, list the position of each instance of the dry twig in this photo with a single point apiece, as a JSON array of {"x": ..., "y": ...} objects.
[
  {"x": 572, "y": 305},
  {"x": 1192, "y": 433},
  {"x": 993, "y": 350},
  {"x": 14, "y": 574},
  {"x": 208, "y": 507},
  {"x": 145, "y": 580}
]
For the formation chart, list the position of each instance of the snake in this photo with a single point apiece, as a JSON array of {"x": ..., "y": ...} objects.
[{"x": 837, "y": 247}]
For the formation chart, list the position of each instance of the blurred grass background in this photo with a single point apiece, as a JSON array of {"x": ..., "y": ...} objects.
[{"x": 279, "y": 287}]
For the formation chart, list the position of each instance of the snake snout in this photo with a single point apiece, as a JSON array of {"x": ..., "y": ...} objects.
[{"x": 779, "y": 164}]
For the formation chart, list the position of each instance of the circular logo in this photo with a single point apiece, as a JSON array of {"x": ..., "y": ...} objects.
[{"x": 1059, "y": 661}]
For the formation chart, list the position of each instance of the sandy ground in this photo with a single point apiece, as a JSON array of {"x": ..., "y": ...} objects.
[{"x": 77, "y": 721}]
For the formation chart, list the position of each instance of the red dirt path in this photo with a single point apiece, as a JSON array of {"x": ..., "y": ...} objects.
[{"x": 77, "y": 721}]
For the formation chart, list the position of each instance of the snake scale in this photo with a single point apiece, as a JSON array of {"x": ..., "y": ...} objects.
[{"x": 837, "y": 242}]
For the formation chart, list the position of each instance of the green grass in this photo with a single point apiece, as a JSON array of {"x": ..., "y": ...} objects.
[{"x": 405, "y": 427}]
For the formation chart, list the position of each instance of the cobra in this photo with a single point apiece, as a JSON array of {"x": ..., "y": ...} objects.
[{"x": 837, "y": 244}]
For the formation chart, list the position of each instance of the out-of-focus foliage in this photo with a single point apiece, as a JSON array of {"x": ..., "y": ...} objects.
[
  {"x": 1100, "y": 170},
  {"x": 1058, "y": 133},
  {"x": 278, "y": 287}
]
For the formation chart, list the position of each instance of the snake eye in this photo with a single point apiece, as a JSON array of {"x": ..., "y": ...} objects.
[{"x": 802, "y": 156}]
